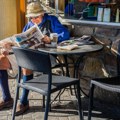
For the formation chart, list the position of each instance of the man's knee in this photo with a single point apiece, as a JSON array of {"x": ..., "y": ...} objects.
[
  {"x": 27, "y": 72},
  {"x": 4, "y": 62}
]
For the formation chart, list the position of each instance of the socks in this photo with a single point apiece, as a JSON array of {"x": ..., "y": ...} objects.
[{"x": 24, "y": 98}]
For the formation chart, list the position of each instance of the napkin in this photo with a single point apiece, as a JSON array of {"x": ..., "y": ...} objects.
[{"x": 67, "y": 47}]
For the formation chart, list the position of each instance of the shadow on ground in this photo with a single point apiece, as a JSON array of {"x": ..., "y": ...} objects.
[{"x": 101, "y": 111}]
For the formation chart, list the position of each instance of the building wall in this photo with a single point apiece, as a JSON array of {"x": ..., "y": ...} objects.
[
  {"x": 8, "y": 23},
  {"x": 99, "y": 64}
]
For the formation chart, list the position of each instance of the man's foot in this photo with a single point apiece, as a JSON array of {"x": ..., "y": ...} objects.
[
  {"x": 21, "y": 109},
  {"x": 6, "y": 104}
]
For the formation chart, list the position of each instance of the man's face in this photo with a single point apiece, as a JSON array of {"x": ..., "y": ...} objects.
[{"x": 37, "y": 20}]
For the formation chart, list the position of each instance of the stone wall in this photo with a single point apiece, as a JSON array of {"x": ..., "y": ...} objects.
[{"x": 99, "y": 64}]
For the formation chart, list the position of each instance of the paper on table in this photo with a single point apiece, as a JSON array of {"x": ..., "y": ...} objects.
[
  {"x": 68, "y": 47},
  {"x": 77, "y": 41}
]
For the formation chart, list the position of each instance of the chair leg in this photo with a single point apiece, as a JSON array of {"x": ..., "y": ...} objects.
[
  {"x": 43, "y": 102},
  {"x": 47, "y": 107},
  {"x": 79, "y": 102},
  {"x": 15, "y": 103},
  {"x": 90, "y": 106},
  {"x": 75, "y": 91}
]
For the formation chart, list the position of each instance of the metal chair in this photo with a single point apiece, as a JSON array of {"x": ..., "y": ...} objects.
[
  {"x": 46, "y": 84},
  {"x": 109, "y": 84}
]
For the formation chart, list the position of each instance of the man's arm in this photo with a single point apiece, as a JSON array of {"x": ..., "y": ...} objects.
[{"x": 57, "y": 27}]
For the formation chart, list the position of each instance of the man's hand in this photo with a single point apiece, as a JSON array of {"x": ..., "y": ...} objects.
[
  {"x": 46, "y": 39},
  {"x": 7, "y": 45},
  {"x": 4, "y": 52}
]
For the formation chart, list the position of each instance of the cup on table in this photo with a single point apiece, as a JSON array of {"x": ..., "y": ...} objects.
[{"x": 54, "y": 39}]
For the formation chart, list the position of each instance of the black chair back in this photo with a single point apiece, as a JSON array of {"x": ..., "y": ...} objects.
[
  {"x": 118, "y": 60},
  {"x": 33, "y": 59}
]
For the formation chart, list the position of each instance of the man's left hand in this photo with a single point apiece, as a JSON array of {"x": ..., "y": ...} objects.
[{"x": 46, "y": 39}]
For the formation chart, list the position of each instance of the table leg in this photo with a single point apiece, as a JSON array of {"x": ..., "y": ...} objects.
[
  {"x": 76, "y": 66},
  {"x": 67, "y": 70},
  {"x": 66, "y": 65}
]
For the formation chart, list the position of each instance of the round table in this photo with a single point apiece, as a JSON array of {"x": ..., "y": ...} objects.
[{"x": 80, "y": 50}]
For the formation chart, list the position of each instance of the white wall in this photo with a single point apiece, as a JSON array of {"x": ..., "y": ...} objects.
[{"x": 8, "y": 23}]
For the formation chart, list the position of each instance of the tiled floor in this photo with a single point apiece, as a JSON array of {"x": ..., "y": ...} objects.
[{"x": 66, "y": 110}]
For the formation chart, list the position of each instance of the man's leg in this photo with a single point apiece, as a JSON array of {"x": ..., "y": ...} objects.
[
  {"x": 24, "y": 103},
  {"x": 4, "y": 85},
  {"x": 7, "y": 100},
  {"x": 24, "y": 97}
]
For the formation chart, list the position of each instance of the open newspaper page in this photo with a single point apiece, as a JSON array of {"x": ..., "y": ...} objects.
[
  {"x": 30, "y": 38},
  {"x": 11, "y": 57}
]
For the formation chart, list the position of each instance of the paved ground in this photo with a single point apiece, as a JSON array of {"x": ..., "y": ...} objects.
[{"x": 66, "y": 110}]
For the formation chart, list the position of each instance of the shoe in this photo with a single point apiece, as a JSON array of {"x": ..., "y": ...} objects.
[
  {"x": 6, "y": 104},
  {"x": 21, "y": 109}
]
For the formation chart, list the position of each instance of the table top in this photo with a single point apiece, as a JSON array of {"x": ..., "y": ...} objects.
[{"x": 82, "y": 49}]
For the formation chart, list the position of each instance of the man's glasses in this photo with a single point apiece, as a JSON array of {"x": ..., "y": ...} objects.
[{"x": 34, "y": 17}]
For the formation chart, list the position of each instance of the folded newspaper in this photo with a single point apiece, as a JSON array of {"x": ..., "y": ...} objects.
[
  {"x": 84, "y": 40},
  {"x": 68, "y": 47},
  {"x": 28, "y": 39}
]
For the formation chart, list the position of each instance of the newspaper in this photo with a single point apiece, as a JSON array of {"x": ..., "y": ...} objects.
[
  {"x": 6, "y": 44},
  {"x": 30, "y": 38}
]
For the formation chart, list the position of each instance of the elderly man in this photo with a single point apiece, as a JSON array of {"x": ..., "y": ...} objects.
[{"x": 47, "y": 24}]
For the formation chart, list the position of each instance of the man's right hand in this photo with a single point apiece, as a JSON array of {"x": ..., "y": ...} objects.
[
  {"x": 46, "y": 39},
  {"x": 7, "y": 45},
  {"x": 4, "y": 52}
]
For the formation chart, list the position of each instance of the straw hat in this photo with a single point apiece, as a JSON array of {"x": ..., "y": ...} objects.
[{"x": 34, "y": 9}]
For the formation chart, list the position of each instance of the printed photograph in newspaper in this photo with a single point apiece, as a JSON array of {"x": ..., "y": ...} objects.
[{"x": 30, "y": 38}]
